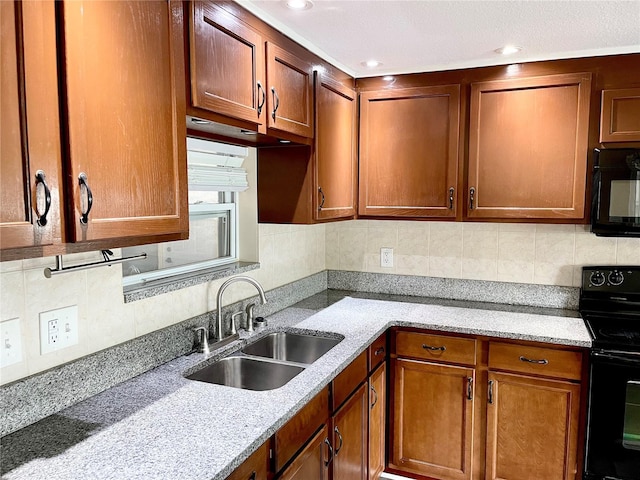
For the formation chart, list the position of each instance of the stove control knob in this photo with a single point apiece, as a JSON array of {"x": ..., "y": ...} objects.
[
  {"x": 616, "y": 277},
  {"x": 597, "y": 279}
]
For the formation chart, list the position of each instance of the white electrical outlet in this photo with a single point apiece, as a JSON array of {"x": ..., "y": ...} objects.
[
  {"x": 58, "y": 329},
  {"x": 10, "y": 342},
  {"x": 386, "y": 257}
]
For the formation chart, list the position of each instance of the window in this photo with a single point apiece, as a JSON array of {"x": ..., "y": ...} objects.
[{"x": 215, "y": 178}]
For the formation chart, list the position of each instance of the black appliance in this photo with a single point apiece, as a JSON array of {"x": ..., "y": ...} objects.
[
  {"x": 610, "y": 307},
  {"x": 615, "y": 202}
]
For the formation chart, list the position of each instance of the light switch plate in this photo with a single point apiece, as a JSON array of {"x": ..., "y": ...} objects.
[
  {"x": 58, "y": 329},
  {"x": 10, "y": 342}
]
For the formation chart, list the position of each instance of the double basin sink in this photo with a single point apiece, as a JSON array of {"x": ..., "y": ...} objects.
[{"x": 268, "y": 363}]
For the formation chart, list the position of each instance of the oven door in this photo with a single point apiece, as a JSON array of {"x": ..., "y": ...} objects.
[{"x": 613, "y": 429}]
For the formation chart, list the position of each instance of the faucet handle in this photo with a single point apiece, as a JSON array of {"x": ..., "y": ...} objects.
[
  {"x": 233, "y": 322},
  {"x": 203, "y": 347},
  {"x": 249, "y": 311}
]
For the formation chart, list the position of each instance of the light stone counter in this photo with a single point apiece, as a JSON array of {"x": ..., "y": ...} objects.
[{"x": 160, "y": 425}]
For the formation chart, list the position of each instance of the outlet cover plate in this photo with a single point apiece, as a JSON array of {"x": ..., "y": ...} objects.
[
  {"x": 386, "y": 257},
  {"x": 10, "y": 342},
  {"x": 58, "y": 329}
]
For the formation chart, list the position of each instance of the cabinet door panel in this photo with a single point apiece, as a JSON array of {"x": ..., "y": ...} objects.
[
  {"x": 409, "y": 151},
  {"x": 290, "y": 94},
  {"x": 432, "y": 419},
  {"x": 227, "y": 63},
  {"x": 350, "y": 438},
  {"x": 30, "y": 133},
  {"x": 532, "y": 428},
  {"x": 132, "y": 150},
  {"x": 377, "y": 421},
  {"x": 255, "y": 467},
  {"x": 620, "y": 117},
  {"x": 528, "y": 147},
  {"x": 313, "y": 461},
  {"x": 335, "y": 155}
]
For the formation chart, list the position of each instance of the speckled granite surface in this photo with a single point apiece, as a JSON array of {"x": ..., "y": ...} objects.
[{"x": 162, "y": 426}]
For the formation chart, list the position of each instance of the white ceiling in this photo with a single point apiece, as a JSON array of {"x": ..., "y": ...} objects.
[{"x": 430, "y": 35}]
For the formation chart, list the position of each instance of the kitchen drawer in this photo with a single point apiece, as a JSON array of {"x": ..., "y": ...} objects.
[
  {"x": 547, "y": 361},
  {"x": 437, "y": 348},
  {"x": 377, "y": 352},
  {"x": 348, "y": 380},
  {"x": 255, "y": 467}
]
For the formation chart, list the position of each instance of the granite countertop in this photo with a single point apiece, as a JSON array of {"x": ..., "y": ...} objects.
[{"x": 160, "y": 425}]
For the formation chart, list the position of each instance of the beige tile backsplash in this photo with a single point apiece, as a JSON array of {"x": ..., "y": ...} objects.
[{"x": 523, "y": 253}]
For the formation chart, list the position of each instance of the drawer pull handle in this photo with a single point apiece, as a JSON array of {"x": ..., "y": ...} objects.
[
  {"x": 379, "y": 351},
  {"x": 544, "y": 361},
  {"x": 330, "y": 456},
  {"x": 339, "y": 447},
  {"x": 433, "y": 349}
]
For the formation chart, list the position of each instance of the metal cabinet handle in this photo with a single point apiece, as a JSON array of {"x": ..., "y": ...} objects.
[
  {"x": 542, "y": 361},
  {"x": 429, "y": 347},
  {"x": 379, "y": 351},
  {"x": 451, "y": 192},
  {"x": 469, "y": 388},
  {"x": 85, "y": 193},
  {"x": 276, "y": 103},
  {"x": 339, "y": 438},
  {"x": 264, "y": 98},
  {"x": 328, "y": 461},
  {"x": 323, "y": 198},
  {"x": 490, "y": 392},
  {"x": 40, "y": 180},
  {"x": 375, "y": 397},
  {"x": 472, "y": 194}
]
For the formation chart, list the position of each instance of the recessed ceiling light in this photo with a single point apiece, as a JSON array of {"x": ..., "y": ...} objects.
[
  {"x": 284, "y": 141},
  {"x": 371, "y": 63},
  {"x": 199, "y": 121},
  {"x": 508, "y": 50},
  {"x": 298, "y": 4}
]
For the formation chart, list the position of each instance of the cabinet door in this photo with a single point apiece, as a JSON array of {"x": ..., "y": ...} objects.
[
  {"x": 350, "y": 437},
  {"x": 432, "y": 419},
  {"x": 528, "y": 147},
  {"x": 227, "y": 64},
  {"x": 255, "y": 467},
  {"x": 620, "y": 117},
  {"x": 409, "y": 152},
  {"x": 377, "y": 417},
  {"x": 313, "y": 462},
  {"x": 532, "y": 428},
  {"x": 30, "y": 134},
  {"x": 125, "y": 103},
  {"x": 335, "y": 150},
  {"x": 290, "y": 92}
]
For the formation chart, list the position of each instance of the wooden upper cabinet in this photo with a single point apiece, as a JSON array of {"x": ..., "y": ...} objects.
[
  {"x": 227, "y": 64},
  {"x": 528, "y": 147},
  {"x": 30, "y": 166},
  {"x": 335, "y": 149},
  {"x": 290, "y": 92},
  {"x": 409, "y": 152},
  {"x": 620, "y": 115},
  {"x": 125, "y": 105}
]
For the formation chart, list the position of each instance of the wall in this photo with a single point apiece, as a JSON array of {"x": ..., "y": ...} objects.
[
  {"x": 286, "y": 253},
  {"x": 509, "y": 252}
]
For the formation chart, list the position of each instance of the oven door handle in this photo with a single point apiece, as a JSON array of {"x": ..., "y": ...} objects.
[{"x": 632, "y": 359}]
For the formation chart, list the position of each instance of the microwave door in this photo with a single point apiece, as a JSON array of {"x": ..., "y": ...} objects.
[{"x": 616, "y": 202}]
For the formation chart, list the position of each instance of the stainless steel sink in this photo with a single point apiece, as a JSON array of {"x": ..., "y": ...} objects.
[
  {"x": 291, "y": 347},
  {"x": 247, "y": 373}
]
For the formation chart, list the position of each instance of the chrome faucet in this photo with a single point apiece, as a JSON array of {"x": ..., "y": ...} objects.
[{"x": 219, "y": 333}]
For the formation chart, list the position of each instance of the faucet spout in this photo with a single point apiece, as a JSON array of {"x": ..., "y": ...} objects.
[{"x": 219, "y": 333}]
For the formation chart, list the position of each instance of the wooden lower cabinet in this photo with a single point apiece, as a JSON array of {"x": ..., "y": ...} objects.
[
  {"x": 350, "y": 437},
  {"x": 532, "y": 428},
  {"x": 313, "y": 461},
  {"x": 256, "y": 467},
  {"x": 432, "y": 421},
  {"x": 377, "y": 417}
]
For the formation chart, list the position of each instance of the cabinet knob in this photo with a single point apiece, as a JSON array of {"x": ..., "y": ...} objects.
[
  {"x": 40, "y": 180},
  {"x": 86, "y": 198}
]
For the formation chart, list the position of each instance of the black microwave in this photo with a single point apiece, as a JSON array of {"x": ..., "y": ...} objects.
[{"x": 615, "y": 202}]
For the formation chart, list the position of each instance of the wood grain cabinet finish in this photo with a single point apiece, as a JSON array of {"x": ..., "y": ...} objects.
[
  {"x": 314, "y": 460},
  {"x": 350, "y": 437},
  {"x": 528, "y": 147},
  {"x": 532, "y": 428},
  {"x": 620, "y": 115},
  {"x": 409, "y": 140},
  {"x": 377, "y": 421},
  {"x": 125, "y": 106},
  {"x": 432, "y": 419},
  {"x": 290, "y": 92},
  {"x": 335, "y": 162},
  {"x": 256, "y": 467},
  {"x": 30, "y": 166},
  {"x": 227, "y": 62}
]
